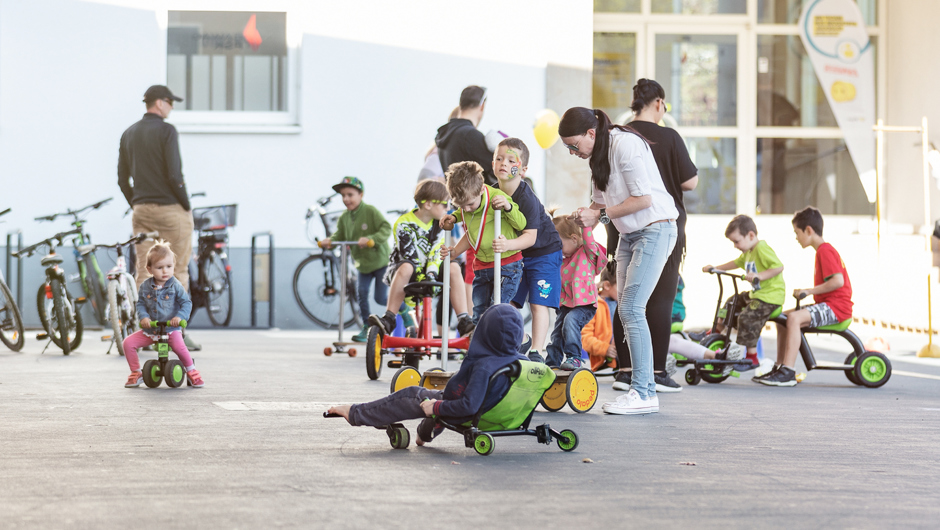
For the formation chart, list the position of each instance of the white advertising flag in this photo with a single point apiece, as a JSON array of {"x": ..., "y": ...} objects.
[{"x": 833, "y": 33}]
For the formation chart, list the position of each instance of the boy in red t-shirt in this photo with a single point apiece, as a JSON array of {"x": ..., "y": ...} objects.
[{"x": 832, "y": 293}]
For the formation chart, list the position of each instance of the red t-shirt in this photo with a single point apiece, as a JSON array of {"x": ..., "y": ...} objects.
[{"x": 829, "y": 263}]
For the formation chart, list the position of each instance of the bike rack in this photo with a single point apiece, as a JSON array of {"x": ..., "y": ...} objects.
[
  {"x": 19, "y": 264},
  {"x": 258, "y": 261}
]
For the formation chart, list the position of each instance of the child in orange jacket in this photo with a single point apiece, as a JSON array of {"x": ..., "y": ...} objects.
[{"x": 596, "y": 336}]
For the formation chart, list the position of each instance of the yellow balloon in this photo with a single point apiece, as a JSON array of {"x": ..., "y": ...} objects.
[{"x": 546, "y": 128}]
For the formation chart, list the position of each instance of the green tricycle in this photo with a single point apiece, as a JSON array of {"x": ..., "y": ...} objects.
[{"x": 162, "y": 368}]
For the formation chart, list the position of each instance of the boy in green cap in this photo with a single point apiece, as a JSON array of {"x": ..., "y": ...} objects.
[{"x": 365, "y": 224}]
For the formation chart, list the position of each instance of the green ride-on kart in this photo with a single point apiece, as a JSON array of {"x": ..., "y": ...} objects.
[{"x": 162, "y": 368}]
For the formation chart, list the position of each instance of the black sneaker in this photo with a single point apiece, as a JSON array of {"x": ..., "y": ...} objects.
[
  {"x": 759, "y": 378},
  {"x": 536, "y": 357},
  {"x": 429, "y": 429},
  {"x": 697, "y": 336},
  {"x": 664, "y": 383},
  {"x": 526, "y": 344},
  {"x": 571, "y": 364},
  {"x": 385, "y": 323},
  {"x": 465, "y": 326},
  {"x": 782, "y": 377},
  {"x": 622, "y": 380}
]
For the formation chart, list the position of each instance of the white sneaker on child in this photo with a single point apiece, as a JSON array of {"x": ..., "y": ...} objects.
[{"x": 632, "y": 403}]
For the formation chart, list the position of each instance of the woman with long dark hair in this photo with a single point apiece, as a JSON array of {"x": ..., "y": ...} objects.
[
  {"x": 679, "y": 174},
  {"x": 628, "y": 192}
]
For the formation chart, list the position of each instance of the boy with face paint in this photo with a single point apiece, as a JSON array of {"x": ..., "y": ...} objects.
[{"x": 539, "y": 243}]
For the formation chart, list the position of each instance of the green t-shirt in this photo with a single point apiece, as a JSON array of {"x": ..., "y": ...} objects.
[{"x": 759, "y": 259}]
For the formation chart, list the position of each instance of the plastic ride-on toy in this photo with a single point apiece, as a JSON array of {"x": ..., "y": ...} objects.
[
  {"x": 510, "y": 417},
  {"x": 162, "y": 368},
  {"x": 413, "y": 348},
  {"x": 712, "y": 370},
  {"x": 864, "y": 368}
]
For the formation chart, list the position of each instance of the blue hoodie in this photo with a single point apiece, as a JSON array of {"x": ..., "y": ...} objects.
[{"x": 495, "y": 345}]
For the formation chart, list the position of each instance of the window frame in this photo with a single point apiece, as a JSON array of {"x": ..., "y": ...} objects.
[{"x": 237, "y": 121}]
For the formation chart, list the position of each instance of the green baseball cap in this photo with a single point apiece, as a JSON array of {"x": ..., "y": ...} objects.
[{"x": 352, "y": 182}]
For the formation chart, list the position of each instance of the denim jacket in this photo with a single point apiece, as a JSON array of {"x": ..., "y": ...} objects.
[{"x": 163, "y": 304}]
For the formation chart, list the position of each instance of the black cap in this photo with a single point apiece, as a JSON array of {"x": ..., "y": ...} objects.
[{"x": 159, "y": 92}]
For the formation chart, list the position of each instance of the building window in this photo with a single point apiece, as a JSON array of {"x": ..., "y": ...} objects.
[
  {"x": 716, "y": 160},
  {"x": 228, "y": 61},
  {"x": 615, "y": 6},
  {"x": 795, "y": 172},
  {"x": 699, "y": 74},
  {"x": 614, "y": 74},
  {"x": 788, "y": 11},
  {"x": 700, "y": 7}
]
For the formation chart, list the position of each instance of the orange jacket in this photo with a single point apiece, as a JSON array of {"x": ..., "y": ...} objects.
[{"x": 596, "y": 335}]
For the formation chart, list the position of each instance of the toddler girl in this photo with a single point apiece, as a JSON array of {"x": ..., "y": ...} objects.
[
  {"x": 161, "y": 298},
  {"x": 583, "y": 260}
]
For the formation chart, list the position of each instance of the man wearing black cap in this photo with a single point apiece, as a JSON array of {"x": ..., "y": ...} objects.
[{"x": 150, "y": 155}]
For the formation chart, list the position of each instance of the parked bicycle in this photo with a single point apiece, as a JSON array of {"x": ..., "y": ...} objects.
[
  {"x": 210, "y": 274},
  {"x": 316, "y": 279},
  {"x": 122, "y": 291},
  {"x": 58, "y": 312},
  {"x": 89, "y": 273},
  {"x": 11, "y": 322}
]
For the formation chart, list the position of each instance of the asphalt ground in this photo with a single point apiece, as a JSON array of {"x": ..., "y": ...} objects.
[{"x": 252, "y": 450}]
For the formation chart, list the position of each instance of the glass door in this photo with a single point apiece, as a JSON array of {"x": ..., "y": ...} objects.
[{"x": 701, "y": 70}]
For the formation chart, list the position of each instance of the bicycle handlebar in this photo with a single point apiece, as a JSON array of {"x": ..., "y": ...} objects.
[
  {"x": 136, "y": 239},
  {"x": 320, "y": 244},
  {"x": 28, "y": 251},
  {"x": 4, "y": 212},
  {"x": 165, "y": 324},
  {"x": 726, "y": 273},
  {"x": 74, "y": 213}
]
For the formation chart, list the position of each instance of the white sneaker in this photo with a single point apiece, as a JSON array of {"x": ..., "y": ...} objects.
[
  {"x": 632, "y": 403},
  {"x": 736, "y": 352}
]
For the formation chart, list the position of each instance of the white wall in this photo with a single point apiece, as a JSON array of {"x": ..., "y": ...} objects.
[{"x": 377, "y": 79}]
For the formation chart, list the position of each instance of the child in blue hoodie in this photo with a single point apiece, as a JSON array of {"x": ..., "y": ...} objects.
[{"x": 494, "y": 345}]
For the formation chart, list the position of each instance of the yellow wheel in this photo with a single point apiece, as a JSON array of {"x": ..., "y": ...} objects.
[
  {"x": 426, "y": 382},
  {"x": 374, "y": 353},
  {"x": 581, "y": 390},
  {"x": 555, "y": 397},
  {"x": 406, "y": 376}
]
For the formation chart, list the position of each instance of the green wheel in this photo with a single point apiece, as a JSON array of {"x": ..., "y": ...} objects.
[
  {"x": 152, "y": 375},
  {"x": 850, "y": 373},
  {"x": 714, "y": 342},
  {"x": 692, "y": 377},
  {"x": 374, "y": 353},
  {"x": 568, "y": 441},
  {"x": 484, "y": 444},
  {"x": 399, "y": 437},
  {"x": 175, "y": 374},
  {"x": 872, "y": 369}
]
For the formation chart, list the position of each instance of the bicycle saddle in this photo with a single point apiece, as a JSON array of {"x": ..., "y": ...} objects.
[
  {"x": 422, "y": 289},
  {"x": 84, "y": 250},
  {"x": 52, "y": 259}
]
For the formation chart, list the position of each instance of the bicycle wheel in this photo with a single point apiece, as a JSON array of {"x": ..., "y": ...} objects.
[
  {"x": 94, "y": 289},
  {"x": 11, "y": 323},
  {"x": 66, "y": 327},
  {"x": 315, "y": 289},
  {"x": 218, "y": 284},
  {"x": 122, "y": 311}
]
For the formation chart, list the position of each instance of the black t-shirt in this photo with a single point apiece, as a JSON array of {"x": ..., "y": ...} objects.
[
  {"x": 547, "y": 239},
  {"x": 674, "y": 164}
]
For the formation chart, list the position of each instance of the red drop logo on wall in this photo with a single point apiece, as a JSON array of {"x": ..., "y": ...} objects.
[{"x": 251, "y": 33}]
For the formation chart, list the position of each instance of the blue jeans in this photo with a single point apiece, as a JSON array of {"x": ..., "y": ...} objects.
[
  {"x": 402, "y": 405},
  {"x": 641, "y": 256},
  {"x": 483, "y": 287},
  {"x": 381, "y": 291},
  {"x": 566, "y": 337}
]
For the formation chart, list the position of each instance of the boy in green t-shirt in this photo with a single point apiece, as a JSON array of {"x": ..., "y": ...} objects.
[
  {"x": 363, "y": 223},
  {"x": 762, "y": 268},
  {"x": 476, "y": 204}
]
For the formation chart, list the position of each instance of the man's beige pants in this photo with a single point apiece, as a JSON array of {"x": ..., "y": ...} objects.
[{"x": 175, "y": 226}]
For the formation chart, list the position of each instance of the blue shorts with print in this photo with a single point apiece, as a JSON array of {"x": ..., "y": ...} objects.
[{"x": 541, "y": 281}]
